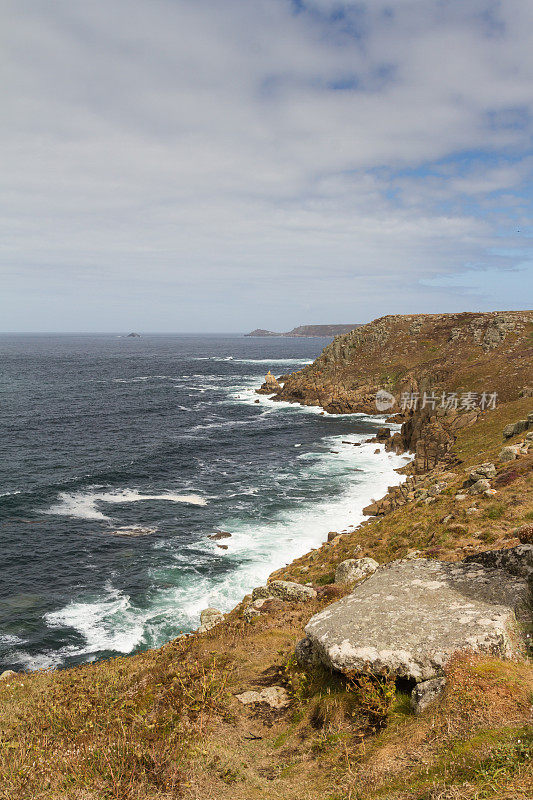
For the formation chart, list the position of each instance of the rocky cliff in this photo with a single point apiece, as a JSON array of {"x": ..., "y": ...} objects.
[
  {"x": 490, "y": 352},
  {"x": 440, "y": 371}
]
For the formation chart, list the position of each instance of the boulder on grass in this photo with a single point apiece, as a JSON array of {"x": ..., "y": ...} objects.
[
  {"x": 285, "y": 590},
  {"x": 409, "y": 618},
  {"x": 354, "y": 569}
]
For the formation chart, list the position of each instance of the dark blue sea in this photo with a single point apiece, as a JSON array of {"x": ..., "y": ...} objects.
[{"x": 119, "y": 457}]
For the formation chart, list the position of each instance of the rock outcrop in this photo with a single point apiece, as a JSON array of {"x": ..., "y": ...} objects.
[
  {"x": 420, "y": 355},
  {"x": 270, "y": 386},
  {"x": 209, "y": 618},
  {"x": 285, "y": 590},
  {"x": 355, "y": 569},
  {"x": 410, "y": 617}
]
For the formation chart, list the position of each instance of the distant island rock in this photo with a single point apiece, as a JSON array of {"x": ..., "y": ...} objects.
[
  {"x": 133, "y": 336},
  {"x": 308, "y": 330}
]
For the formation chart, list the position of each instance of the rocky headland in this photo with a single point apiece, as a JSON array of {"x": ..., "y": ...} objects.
[{"x": 307, "y": 330}]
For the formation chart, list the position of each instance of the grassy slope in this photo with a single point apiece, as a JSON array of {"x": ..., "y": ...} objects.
[{"x": 166, "y": 724}]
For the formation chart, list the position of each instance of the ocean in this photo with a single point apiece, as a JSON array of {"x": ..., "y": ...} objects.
[{"x": 120, "y": 457}]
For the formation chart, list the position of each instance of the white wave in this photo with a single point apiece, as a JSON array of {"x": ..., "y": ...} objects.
[
  {"x": 255, "y": 549},
  {"x": 84, "y": 505},
  {"x": 9, "y": 494},
  {"x": 255, "y": 360},
  {"x": 10, "y": 640},
  {"x": 107, "y": 623},
  {"x": 142, "y": 378},
  {"x": 133, "y": 530}
]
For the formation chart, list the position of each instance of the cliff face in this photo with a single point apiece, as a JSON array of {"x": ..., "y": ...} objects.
[{"x": 469, "y": 352}]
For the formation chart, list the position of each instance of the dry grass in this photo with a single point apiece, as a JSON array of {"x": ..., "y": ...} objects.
[{"x": 122, "y": 728}]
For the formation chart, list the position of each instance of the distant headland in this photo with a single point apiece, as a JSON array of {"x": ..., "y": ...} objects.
[{"x": 308, "y": 330}]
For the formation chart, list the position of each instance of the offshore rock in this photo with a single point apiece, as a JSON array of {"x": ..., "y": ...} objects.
[
  {"x": 410, "y": 617},
  {"x": 270, "y": 386}
]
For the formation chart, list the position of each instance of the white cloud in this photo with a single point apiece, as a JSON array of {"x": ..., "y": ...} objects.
[{"x": 170, "y": 149}]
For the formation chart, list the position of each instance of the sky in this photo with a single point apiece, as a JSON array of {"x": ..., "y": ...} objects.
[{"x": 222, "y": 165}]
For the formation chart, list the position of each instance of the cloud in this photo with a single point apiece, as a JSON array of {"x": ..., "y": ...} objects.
[{"x": 209, "y": 165}]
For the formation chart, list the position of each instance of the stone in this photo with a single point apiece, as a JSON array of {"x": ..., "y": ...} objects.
[
  {"x": 508, "y": 431},
  {"x": 425, "y": 693},
  {"x": 460, "y": 496},
  {"x": 305, "y": 654},
  {"x": 479, "y": 486},
  {"x": 270, "y": 386},
  {"x": 253, "y": 610},
  {"x": 6, "y": 674},
  {"x": 410, "y": 617},
  {"x": 219, "y": 535},
  {"x": 515, "y": 560},
  {"x": 286, "y": 590},
  {"x": 209, "y": 618},
  {"x": 354, "y": 569},
  {"x": 508, "y": 453},
  {"x": 487, "y": 470},
  {"x": 413, "y": 554},
  {"x": 525, "y": 533},
  {"x": 274, "y": 696}
]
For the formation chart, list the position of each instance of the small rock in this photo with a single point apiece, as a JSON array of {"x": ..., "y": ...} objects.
[
  {"x": 273, "y": 696},
  {"x": 6, "y": 674},
  {"x": 305, "y": 654},
  {"x": 479, "y": 486},
  {"x": 209, "y": 618},
  {"x": 426, "y": 693},
  {"x": 413, "y": 554},
  {"x": 286, "y": 590},
  {"x": 223, "y": 546},
  {"x": 525, "y": 533},
  {"x": 486, "y": 470},
  {"x": 460, "y": 496},
  {"x": 508, "y": 453},
  {"x": 353, "y": 569},
  {"x": 219, "y": 535}
]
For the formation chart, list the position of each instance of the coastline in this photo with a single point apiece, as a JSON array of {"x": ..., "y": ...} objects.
[{"x": 389, "y": 477}]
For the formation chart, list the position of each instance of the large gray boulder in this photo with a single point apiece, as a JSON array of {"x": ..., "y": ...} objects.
[{"x": 410, "y": 617}]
